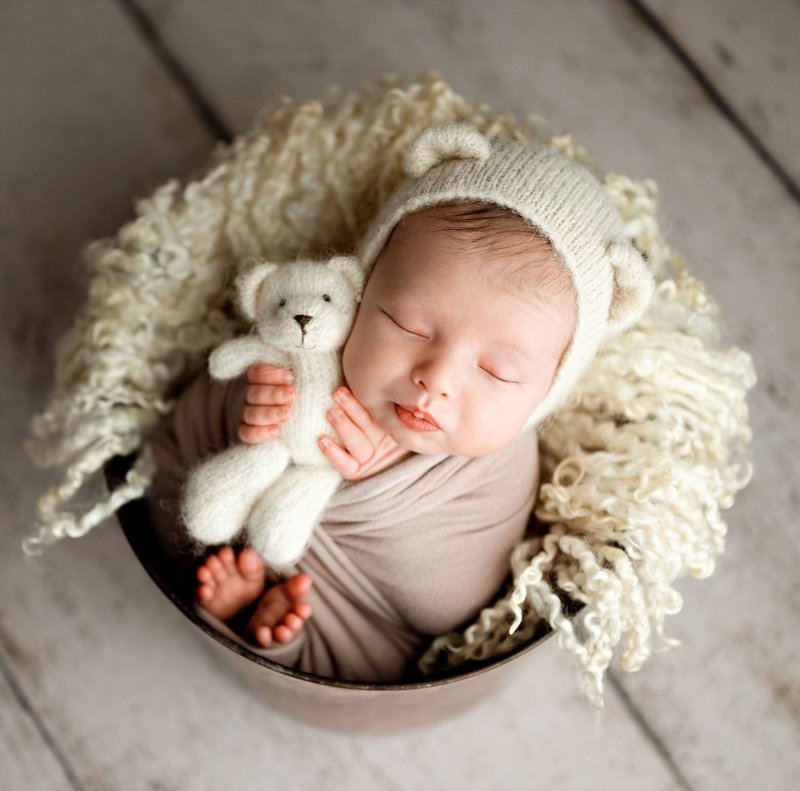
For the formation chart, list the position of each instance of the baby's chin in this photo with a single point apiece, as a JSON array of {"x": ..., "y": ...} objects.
[
  {"x": 439, "y": 443},
  {"x": 407, "y": 440}
]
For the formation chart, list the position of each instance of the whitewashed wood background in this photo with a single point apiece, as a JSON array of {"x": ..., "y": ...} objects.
[{"x": 102, "y": 684}]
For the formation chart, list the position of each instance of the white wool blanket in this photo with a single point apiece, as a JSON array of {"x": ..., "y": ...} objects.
[{"x": 636, "y": 466}]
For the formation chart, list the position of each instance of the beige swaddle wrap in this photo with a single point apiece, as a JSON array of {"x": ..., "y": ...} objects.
[{"x": 413, "y": 551}]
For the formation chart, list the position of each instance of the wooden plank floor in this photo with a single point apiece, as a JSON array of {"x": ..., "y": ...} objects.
[{"x": 102, "y": 684}]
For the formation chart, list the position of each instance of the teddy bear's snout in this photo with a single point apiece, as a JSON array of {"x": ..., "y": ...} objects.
[{"x": 302, "y": 320}]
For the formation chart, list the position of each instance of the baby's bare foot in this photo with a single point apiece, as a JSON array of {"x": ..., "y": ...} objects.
[
  {"x": 229, "y": 583},
  {"x": 281, "y": 613}
]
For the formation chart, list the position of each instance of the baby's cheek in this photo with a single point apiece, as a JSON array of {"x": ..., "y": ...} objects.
[
  {"x": 360, "y": 360},
  {"x": 350, "y": 367}
]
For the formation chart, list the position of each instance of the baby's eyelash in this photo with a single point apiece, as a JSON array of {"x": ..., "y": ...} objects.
[
  {"x": 394, "y": 321},
  {"x": 498, "y": 378}
]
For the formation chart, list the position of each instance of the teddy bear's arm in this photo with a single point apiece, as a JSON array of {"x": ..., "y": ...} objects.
[{"x": 233, "y": 357}]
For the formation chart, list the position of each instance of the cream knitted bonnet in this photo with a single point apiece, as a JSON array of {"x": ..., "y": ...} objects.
[{"x": 562, "y": 199}]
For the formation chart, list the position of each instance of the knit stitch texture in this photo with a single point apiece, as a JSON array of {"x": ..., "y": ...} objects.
[{"x": 302, "y": 313}]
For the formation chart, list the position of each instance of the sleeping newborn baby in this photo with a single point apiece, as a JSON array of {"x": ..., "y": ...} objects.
[{"x": 495, "y": 270}]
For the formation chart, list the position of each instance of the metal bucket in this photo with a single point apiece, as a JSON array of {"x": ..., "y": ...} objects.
[{"x": 319, "y": 700}]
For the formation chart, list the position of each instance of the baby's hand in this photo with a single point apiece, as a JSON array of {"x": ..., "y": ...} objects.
[
  {"x": 267, "y": 403},
  {"x": 367, "y": 448}
]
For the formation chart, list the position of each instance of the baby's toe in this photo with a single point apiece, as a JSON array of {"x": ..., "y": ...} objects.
[
  {"x": 204, "y": 575},
  {"x": 263, "y": 636},
  {"x": 250, "y": 564},
  {"x": 227, "y": 558},
  {"x": 205, "y": 593},
  {"x": 294, "y": 622},
  {"x": 302, "y": 610},
  {"x": 214, "y": 565},
  {"x": 298, "y": 586},
  {"x": 283, "y": 634}
]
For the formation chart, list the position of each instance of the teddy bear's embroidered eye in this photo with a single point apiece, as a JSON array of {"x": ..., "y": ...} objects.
[
  {"x": 326, "y": 297},
  {"x": 282, "y": 303}
]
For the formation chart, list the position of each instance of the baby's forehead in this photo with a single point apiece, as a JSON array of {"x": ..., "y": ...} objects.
[
  {"x": 534, "y": 272},
  {"x": 509, "y": 254},
  {"x": 518, "y": 263}
]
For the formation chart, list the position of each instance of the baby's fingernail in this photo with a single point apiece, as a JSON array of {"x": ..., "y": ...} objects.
[
  {"x": 287, "y": 394},
  {"x": 340, "y": 394},
  {"x": 287, "y": 378}
]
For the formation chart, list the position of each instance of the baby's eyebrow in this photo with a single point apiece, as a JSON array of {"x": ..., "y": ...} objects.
[{"x": 514, "y": 348}]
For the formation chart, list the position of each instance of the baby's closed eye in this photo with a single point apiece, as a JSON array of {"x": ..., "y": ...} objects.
[
  {"x": 497, "y": 377},
  {"x": 402, "y": 326},
  {"x": 489, "y": 371}
]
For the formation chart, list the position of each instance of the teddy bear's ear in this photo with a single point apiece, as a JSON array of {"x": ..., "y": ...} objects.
[
  {"x": 249, "y": 282},
  {"x": 445, "y": 141},
  {"x": 633, "y": 286},
  {"x": 352, "y": 270}
]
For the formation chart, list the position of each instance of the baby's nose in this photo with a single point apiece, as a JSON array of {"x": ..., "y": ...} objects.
[
  {"x": 436, "y": 377},
  {"x": 302, "y": 320}
]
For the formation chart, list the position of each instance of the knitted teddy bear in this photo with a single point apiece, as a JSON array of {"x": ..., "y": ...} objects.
[{"x": 302, "y": 313}]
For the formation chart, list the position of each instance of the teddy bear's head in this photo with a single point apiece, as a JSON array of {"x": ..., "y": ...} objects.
[{"x": 303, "y": 305}]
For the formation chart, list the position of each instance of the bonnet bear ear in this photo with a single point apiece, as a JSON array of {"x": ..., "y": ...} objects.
[
  {"x": 445, "y": 141},
  {"x": 633, "y": 286},
  {"x": 352, "y": 270},
  {"x": 249, "y": 282}
]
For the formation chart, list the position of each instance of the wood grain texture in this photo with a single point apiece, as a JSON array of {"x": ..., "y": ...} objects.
[
  {"x": 750, "y": 53},
  {"x": 26, "y": 759},
  {"x": 92, "y": 118}
]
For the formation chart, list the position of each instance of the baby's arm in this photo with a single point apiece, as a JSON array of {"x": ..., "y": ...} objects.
[{"x": 365, "y": 448}]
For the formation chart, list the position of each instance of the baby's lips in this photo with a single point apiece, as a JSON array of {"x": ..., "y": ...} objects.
[{"x": 420, "y": 414}]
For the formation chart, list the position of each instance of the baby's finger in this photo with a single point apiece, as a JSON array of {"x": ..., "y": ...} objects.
[
  {"x": 265, "y": 415},
  {"x": 358, "y": 413},
  {"x": 265, "y": 374},
  {"x": 351, "y": 436},
  {"x": 268, "y": 395},
  {"x": 254, "y": 435},
  {"x": 339, "y": 458}
]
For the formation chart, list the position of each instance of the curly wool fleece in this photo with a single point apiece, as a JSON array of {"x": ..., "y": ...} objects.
[{"x": 636, "y": 465}]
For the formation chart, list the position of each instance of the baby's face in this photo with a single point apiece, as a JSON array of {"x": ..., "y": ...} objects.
[{"x": 434, "y": 335}]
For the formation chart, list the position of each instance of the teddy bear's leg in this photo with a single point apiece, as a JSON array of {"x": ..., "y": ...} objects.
[
  {"x": 220, "y": 493},
  {"x": 283, "y": 520}
]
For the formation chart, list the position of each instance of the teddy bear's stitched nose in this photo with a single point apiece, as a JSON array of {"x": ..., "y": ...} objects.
[{"x": 303, "y": 320}]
